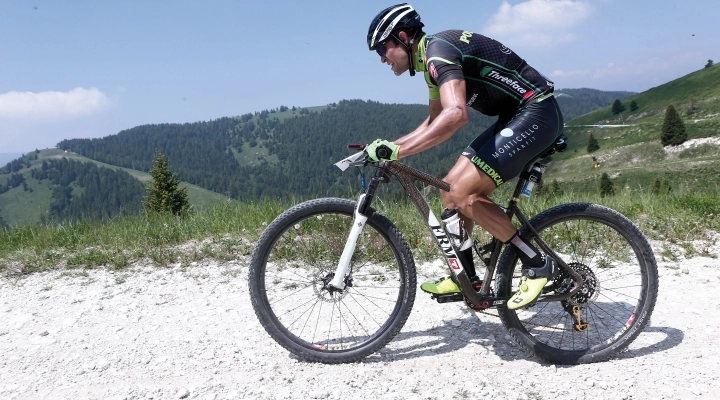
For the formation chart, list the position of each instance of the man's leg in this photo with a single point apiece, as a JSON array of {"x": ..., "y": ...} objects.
[{"x": 469, "y": 190}]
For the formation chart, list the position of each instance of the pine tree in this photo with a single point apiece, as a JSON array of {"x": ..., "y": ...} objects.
[
  {"x": 633, "y": 106},
  {"x": 709, "y": 64},
  {"x": 593, "y": 144},
  {"x": 163, "y": 193},
  {"x": 673, "y": 129},
  {"x": 617, "y": 107},
  {"x": 606, "y": 186}
]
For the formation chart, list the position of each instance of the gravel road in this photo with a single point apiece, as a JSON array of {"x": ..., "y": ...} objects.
[{"x": 176, "y": 333}]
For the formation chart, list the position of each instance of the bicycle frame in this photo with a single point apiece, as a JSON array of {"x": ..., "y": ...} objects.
[{"x": 407, "y": 177}]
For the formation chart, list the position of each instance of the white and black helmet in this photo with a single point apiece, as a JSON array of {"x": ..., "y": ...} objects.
[{"x": 401, "y": 17}]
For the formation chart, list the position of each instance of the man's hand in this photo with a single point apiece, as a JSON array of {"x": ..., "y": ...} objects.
[{"x": 382, "y": 150}]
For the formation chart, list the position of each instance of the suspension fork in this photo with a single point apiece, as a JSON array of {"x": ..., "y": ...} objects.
[{"x": 359, "y": 219}]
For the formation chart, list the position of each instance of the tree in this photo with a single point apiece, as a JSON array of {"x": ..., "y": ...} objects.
[
  {"x": 633, "y": 106},
  {"x": 709, "y": 64},
  {"x": 163, "y": 193},
  {"x": 606, "y": 186},
  {"x": 673, "y": 129},
  {"x": 617, "y": 107},
  {"x": 692, "y": 109},
  {"x": 593, "y": 144}
]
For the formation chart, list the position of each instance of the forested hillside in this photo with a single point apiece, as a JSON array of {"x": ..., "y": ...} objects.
[
  {"x": 273, "y": 154},
  {"x": 277, "y": 153},
  {"x": 61, "y": 189},
  {"x": 289, "y": 152}
]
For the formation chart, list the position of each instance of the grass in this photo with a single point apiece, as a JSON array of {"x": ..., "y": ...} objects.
[
  {"x": 682, "y": 219},
  {"x": 224, "y": 231}
]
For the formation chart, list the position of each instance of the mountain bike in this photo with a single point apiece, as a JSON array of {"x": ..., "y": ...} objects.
[{"x": 333, "y": 280}]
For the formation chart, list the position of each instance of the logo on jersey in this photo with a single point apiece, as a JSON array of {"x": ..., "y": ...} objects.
[
  {"x": 508, "y": 82},
  {"x": 472, "y": 99},
  {"x": 433, "y": 71},
  {"x": 505, "y": 50},
  {"x": 465, "y": 37}
]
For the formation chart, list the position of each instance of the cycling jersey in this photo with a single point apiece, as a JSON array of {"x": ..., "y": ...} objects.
[{"x": 498, "y": 82}]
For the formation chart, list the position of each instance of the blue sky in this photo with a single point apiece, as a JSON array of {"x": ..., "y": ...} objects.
[{"x": 81, "y": 69}]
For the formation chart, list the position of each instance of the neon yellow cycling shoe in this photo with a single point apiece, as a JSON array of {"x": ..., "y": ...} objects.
[
  {"x": 532, "y": 283},
  {"x": 441, "y": 286},
  {"x": 529, "y": 290}
]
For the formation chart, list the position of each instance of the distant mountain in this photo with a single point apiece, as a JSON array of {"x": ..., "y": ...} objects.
[{"x": 576, "y": 102}]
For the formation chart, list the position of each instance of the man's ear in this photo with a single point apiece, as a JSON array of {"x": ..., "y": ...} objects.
[{"x": 402, "y": 35}]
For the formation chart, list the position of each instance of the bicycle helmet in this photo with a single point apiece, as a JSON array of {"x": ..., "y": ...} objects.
[{"x": 399, "y": 17}]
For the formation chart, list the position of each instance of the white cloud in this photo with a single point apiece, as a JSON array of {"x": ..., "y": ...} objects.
[
  {"x": 43, "y": 106},
  {"x": 537, "y": 22}
]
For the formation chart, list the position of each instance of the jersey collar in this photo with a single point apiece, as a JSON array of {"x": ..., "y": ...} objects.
[{"x": 420, "y": 55}]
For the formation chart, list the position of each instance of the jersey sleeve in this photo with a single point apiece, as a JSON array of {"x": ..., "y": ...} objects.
[{"x": 444, "y": 63}]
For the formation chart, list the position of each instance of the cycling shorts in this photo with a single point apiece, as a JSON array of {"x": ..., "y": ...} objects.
[{"x": 504, "y": 150}]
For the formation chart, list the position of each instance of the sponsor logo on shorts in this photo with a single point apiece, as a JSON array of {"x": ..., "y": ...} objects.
[
  {"x": 517, "y": 143},
  {"x": 507, "y": 132},
  {"x": 488, "y": 170}
]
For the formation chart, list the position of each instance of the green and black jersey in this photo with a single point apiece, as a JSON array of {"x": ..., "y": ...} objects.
[{"x": 498, "y": 81}]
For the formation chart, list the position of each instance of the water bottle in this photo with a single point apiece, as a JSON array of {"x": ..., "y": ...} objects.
[
  {"x": 534, "y": 178},
  {"x": 455, "y": 228}
]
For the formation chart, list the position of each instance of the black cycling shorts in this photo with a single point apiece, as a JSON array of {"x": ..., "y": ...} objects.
[{"x": 504, "y": 150}]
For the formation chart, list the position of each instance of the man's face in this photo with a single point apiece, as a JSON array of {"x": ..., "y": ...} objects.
[{"x": 395, "y": 56}]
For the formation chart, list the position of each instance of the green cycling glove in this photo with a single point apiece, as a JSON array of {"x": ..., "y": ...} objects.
[{"x": 382, "y": 150}]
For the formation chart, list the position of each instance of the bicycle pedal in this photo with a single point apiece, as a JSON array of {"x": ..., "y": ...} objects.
[{"x": 449, "y": 298}]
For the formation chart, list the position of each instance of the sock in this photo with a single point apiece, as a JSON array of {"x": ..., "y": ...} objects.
[
  {"x": 529, "y": 254},
  {"x": 466, "y": 258}
]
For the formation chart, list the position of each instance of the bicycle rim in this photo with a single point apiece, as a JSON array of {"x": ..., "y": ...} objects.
[
  {"x": 294, "y": 263},
  {"x": 614, "y": 304}
]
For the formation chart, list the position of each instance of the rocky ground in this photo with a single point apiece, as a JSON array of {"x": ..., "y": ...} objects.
[{"x": 176, "y": 333}]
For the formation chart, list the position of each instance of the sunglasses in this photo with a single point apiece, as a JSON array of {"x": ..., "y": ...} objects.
[{"x": 381, "y": 49}]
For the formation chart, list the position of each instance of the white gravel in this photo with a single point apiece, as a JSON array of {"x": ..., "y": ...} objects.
[{"x": 173, "y": 333}]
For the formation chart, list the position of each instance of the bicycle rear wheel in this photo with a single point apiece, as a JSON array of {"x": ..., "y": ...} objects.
[
  {"x": 616, "y": 300},
  {"x": 293, "y": 262}
]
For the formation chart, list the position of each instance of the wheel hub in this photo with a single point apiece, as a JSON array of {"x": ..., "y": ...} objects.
[{"x": 326, "y": 292}]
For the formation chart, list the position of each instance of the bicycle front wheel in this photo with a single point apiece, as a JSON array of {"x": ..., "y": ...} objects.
[
  {"x": 615, "y": 302},
  {"x": 293, "y": 262}
]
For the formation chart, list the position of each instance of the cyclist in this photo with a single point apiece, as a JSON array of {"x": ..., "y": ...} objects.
[{"x": 465, "y": 69}]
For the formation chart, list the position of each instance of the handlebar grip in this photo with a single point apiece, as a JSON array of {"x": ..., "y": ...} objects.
[{"x": 383, "y": 152}]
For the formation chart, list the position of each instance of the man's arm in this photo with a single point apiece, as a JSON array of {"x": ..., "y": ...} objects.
[{"x": 447, "y": 115}]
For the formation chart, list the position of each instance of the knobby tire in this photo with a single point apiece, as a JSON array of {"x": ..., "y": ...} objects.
[
  {"x": 297, "y": 255},
  {"x": 616, "y": 301}
]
